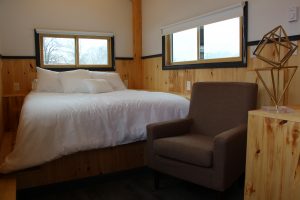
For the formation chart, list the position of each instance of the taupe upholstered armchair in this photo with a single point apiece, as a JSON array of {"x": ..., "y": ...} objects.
[{"x": 209, "y": 146}]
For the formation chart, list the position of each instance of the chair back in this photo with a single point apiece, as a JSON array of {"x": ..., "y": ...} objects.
[{"x": 219, "y": 106}]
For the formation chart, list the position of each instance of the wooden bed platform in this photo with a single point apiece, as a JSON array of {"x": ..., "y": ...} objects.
[
  {"x": 8, "y": 186},
  {"x": 75, "y": 166}
]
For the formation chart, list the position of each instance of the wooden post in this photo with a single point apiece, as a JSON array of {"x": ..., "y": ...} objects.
[
  {"x": 135, "y": 77},
  {"x": 1, "y": 102}
]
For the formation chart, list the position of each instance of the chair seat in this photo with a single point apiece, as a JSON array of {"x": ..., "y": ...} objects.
[{"x": 194, "y": 149}]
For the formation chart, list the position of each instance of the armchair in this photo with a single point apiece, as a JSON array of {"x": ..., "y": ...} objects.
[{"x": 208, "y": 147}]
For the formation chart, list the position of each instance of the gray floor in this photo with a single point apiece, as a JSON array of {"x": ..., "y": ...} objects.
[{"x": 133, "y": 185}]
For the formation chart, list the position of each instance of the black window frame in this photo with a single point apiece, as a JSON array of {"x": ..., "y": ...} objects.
[
  {"x": 230, "y": 64},
  {"x": 62, "y": 68}
]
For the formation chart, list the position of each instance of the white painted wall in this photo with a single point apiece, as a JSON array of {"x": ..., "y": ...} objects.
[
  {"x": 263, "y": 16},
  {"x": 18, "y": 18}
]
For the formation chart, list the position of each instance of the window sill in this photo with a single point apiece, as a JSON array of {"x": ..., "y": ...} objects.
[{"x": 238, "y": 64}]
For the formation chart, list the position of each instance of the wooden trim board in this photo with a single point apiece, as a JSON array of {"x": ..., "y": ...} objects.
[
  {"x": 84, "y": 164},
  {"x": 76, "y": 166},
  {"x": 137, "y": 43},
  {"x": 8, "y": 185},
  {"x": 1, "y": 101}
]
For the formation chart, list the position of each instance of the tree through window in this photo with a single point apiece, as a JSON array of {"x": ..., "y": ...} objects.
[{"x": 72, "y": 51}]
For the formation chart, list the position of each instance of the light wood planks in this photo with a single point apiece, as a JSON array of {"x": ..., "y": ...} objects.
[
  {"x": 175, "y": 80},
  {"x": 6, "y": 145},
  {"x": 293, "y": 116},
  {"x": 273, "y": 152},
  {"x": 15, "y": 71},
  {"x": 23, "y": 71},
  {"x": 126, "y": 72},
  {"x": 12, "y": 106},
  {"x": 154, "y": 78},
  {"x": 18, "y": 71}
]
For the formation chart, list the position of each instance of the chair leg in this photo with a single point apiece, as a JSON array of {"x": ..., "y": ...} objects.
[{"x": 156, "y": 180}]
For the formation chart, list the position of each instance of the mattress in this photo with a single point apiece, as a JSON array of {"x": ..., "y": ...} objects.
[{"x": 56, "y": 124}]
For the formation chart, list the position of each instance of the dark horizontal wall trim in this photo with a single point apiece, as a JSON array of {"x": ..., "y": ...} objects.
[
  {"x": 124, "y": 58},
  {"x": 0, "y": 56},
  {"x": 152, "y": 56},
  {"x": 207, "y": 66},
  {"x": 291, "y": 38},
  {"x": 18, "y": 57},
  {"x": 91, "y": 69},
  {"x": 34, "y": 57}
]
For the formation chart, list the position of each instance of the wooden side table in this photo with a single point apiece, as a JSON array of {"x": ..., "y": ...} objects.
[{"x": 273, "y": 156}]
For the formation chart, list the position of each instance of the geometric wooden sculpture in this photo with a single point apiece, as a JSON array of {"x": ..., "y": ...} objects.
[{"x": 283, "y": 49}]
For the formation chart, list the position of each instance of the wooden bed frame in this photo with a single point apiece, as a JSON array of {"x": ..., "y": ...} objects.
[{"x": 78, "y": 165}]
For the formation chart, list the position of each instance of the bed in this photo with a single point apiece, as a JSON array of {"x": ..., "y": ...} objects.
[{"x": 55, "y": 128}]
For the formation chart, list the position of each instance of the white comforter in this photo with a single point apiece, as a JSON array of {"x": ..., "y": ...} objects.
[{"x": 54, "y": 124}]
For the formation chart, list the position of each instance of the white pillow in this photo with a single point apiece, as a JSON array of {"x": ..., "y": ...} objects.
[
  {"x": 112, "y": 77},
  {"x": 79, "y": 74},
  {"x": 74, "y": 85},
  {"x": 48, "y": 81},
  {"x": 72, "y": 81},
  {"x": 97, "y": 86},
  {"x": 34, "y": 84}
]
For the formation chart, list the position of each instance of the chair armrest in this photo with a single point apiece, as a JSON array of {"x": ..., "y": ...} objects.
[
  {"x": 168, "y": 128},
  {"x": 161, "y": 130},
  {"x": 229, "y": 135},
  {"x": 230, "y": 154}
]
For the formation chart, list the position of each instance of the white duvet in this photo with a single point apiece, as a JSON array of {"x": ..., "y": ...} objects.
[{"x": 55, "y": 124}]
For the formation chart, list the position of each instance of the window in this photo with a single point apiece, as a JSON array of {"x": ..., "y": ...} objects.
[
  {"x": 212, "y": 45},
  {"x": 209, "y": 42},
  {"x": 184, "y": 45},
  {"x": 93, "y": 51},
  {"x": 71, "y": 50},
  {"x": 58, "y": 51}
]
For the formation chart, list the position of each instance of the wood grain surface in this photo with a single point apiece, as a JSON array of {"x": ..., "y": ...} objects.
[
  {"x": 75, "y": 166},
  {"x": 273, "y": 153},
  {"x": 154, "y": 78}
]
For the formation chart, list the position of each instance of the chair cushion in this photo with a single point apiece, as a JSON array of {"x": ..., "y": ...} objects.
[{"x": 194, "y": 149}]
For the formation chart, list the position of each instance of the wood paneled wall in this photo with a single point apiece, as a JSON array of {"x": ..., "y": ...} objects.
[
  {"x": 18, "y": 71},
  {"x": 154, "y": 78},
  {"x": 23, "y": 71}
]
